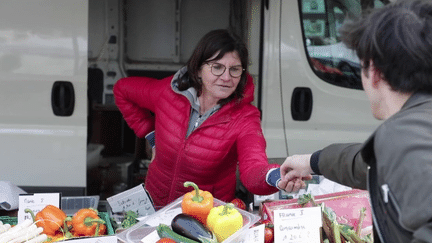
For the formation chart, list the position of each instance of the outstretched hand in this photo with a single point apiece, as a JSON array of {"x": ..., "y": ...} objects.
[{"x": 294, "y": 172}]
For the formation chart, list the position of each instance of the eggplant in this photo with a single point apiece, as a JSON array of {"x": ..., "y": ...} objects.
[{"x": 189, "y": 227}]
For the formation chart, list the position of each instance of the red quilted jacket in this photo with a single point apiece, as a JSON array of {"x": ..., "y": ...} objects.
[{"x": 230, "y": 138}]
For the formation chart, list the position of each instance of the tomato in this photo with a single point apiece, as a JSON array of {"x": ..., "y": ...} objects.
[
  {"x": 268, "y": 230},
  {"x": 166, "y": 240},
  {"x": 239, "y": 203},
  {"x": 268, "y": 235},
  {"x": 267, "y": 222}
]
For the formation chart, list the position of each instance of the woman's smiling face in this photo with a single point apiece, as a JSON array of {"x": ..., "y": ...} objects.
[{"x": 214, "y": 87}]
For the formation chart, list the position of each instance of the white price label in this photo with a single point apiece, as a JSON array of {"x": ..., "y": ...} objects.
[
  {"x": 134, "y": 199},
  {"x": 300, "y": 225},
  {"x": 36, "y": 202}
]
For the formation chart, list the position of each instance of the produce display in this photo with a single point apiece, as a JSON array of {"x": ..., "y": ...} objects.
[
  {"x": 200, "y": 221},
  {"x": 335, "y": 232},
  {"x": 52, "y": 224},
  {"x": 346, "y": 215},
  {"x": 196, "y": 217}
]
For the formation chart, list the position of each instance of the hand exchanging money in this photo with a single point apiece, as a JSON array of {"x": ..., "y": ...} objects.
[{"x": 294, "y": 172}]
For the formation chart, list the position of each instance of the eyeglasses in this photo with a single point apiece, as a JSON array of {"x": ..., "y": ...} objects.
[{"x": 218, "y": 69}]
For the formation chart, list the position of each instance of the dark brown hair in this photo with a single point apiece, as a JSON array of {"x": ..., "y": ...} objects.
[
  {"x": 222, "y": 41},
  {"x": 398, "y": 40}
]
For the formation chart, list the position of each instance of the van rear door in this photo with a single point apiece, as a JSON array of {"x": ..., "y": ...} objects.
[
  {"x": 313, "y": 97},
  {"x": 43, "y": 93}
]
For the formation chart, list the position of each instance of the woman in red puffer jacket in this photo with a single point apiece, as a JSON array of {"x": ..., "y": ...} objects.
[{"x": 205, "y": 125}]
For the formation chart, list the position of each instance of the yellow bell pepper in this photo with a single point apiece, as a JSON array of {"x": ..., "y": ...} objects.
[{"x": 224, "y": 221}]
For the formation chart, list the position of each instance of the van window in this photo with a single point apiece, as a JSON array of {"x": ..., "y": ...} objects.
[{"x": 328, "y": 56}]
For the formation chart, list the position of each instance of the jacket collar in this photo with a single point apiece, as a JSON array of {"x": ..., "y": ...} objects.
[
  {"x": 191, "y": 93},
  {"x": 416, "y": 99}
]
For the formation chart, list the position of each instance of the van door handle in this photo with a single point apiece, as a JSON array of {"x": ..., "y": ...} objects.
[
  {"x": 301, "y": 104},
  {"x": 63, "y": 98}
]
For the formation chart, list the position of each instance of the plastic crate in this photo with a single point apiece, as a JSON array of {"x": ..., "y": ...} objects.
[
  {"x": 8, "y": 220},
  {"x": 103, "y": 215},
  {"x": 137, "y": 232},
  {"x": 71, "y": 205}
]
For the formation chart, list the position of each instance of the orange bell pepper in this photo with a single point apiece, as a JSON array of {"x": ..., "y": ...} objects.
[
  {"x": 50, "y": 218},
  {"x": 197, "y": 203},
  {"x": 86, "y": 222}
]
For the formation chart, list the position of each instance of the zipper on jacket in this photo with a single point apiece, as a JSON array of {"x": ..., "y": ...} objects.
[
  {"x": 387, "y": 197},
  {"x": 374, "y": 219},
  {"x": 385, "y": 189},
  {"x": 197, "y": 122},
  {"x": 392, "y": 200}
]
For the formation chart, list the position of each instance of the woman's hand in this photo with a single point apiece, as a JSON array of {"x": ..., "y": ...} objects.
[
  {"x": 294, "y": 171},
  {"x": 292, "y": 186}
]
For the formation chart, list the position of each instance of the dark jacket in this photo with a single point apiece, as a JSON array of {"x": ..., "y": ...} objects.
[
  {"x": 395, "y": 166},
  {"x": 230, "y": 138}
]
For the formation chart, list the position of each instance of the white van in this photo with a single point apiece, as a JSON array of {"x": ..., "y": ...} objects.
[{"x": 59, "y": 60}]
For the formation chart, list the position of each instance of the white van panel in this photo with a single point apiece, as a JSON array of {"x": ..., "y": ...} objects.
[
  {"x": 272, "y": 117},
  {"x": 338, "y": 114},
  {"x": 42, "y": 41}
]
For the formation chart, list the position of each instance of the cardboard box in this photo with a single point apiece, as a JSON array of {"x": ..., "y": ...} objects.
[{"x": 346, "y": 205}]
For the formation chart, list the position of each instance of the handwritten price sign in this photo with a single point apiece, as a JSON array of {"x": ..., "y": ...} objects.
[
  {"x": 299, "y": 225},
  {"x": 36, "y": 202},
  {"x": 134, "y": 199}
]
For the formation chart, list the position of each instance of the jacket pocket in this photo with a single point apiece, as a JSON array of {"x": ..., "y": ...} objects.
[{"x": 389, "y": 217}]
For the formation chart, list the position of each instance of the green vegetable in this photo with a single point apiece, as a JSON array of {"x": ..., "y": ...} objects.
[
  {"x": 305, "y": 199},
  {"x": 164, "y": 231},
  {"x": 130, "y": 219},
  {"x": 361, "y": 219},
  {"x": 336, "y": 232}
]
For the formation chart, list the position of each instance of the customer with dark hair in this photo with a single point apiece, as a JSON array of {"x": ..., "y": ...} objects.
[
  {"x": 205, "y": 125},
  {"x": 394, "y": 44}
]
